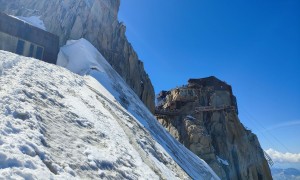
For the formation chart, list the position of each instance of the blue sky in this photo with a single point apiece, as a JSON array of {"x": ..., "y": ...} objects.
[{"x": 252, "y": 45}]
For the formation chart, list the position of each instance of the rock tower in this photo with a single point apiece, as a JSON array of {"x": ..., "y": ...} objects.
[{"x": 203, "y": 116}]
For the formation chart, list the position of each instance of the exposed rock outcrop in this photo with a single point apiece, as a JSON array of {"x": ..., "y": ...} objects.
[
  {"x": 96, "y": 21},
  {"x": 204, "y": 117}
]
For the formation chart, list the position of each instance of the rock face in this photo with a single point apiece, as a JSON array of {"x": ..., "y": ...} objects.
[
  {"x": 96, "y": 21},
  {"x": 204, "y": 117}
]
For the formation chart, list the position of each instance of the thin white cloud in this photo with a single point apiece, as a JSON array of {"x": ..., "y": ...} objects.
[
  {"x": 283, "y": 157},
  {"x": 285, "y": 124}
]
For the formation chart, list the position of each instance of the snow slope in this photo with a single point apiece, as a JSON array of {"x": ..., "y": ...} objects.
[
  {"x": 82, "y": 58},
  {"x": 55, "y": 124}
]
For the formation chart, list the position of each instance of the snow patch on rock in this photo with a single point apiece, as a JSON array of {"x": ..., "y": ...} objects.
[{"x": 222, "y": 161}]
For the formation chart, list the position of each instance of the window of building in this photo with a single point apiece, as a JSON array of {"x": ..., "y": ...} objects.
[
  {"x": 20, "y": 47},
  {"x": 39, "y": 52},
  {"x": 31, "y": 49}
]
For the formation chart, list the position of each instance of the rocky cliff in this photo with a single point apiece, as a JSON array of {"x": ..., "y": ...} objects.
[
  {"x": 96, "y": 21},
  {"x": 204, "y": 117}
]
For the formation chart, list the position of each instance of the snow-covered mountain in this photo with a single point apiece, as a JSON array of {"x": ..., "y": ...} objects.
[
  {"x": 55, "y": 124},
  {"x": 285, "y": 174}
]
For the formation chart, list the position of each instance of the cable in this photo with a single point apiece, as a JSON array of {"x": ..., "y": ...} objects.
[
  {"x": 252, "y": 118},
  {"x": 259, "y": 130}
]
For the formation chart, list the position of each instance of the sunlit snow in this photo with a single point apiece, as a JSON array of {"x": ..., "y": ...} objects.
[
  {"x": 82, "y": 54},
  {"x": 55, "y": 124}
]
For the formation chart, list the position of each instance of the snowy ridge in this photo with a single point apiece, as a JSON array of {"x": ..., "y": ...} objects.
[
  {"x": 111, "y": 84},
  {"x": 53, "y": 126},
  {"x": 58, "y": 125}
]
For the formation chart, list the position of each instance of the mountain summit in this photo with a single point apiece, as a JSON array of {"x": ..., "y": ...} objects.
[{"x": 203, "y": 116}]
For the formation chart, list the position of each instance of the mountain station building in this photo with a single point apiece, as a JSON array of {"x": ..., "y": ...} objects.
[{"x": 19, "y": 37}]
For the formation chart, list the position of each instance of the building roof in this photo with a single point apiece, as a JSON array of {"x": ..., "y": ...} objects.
[
  {"x": 208, "y": 81},
  {"x": 25, "y": 31}
]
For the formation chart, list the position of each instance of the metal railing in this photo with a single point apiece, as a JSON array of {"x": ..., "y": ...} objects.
[{"x": 212, "y": 108}]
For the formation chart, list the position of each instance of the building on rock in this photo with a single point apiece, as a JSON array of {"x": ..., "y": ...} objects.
[
  {"x": 203, "y": 116},
  {"x": 24, "y": 39}
]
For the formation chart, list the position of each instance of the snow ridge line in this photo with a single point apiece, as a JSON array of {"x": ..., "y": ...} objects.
[{"x": 127, "y": 130}]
